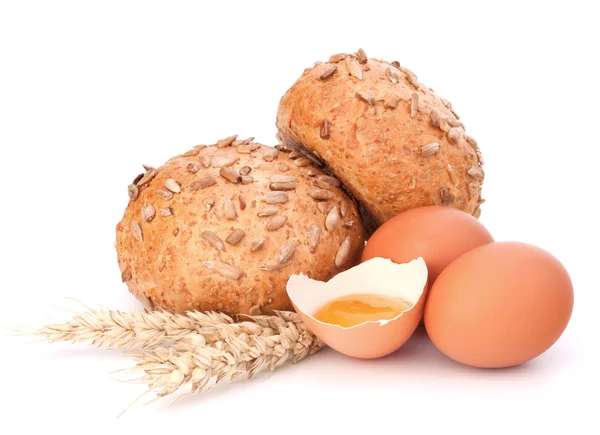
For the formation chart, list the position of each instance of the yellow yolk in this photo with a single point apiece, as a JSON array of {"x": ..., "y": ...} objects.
[{"x": 353, "y": 310}]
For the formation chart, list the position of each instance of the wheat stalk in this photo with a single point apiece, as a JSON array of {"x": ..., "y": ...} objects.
[
  {"x": 114, "y": 329},
  {"x": 174, "y": 350},
  {"x": 194, "y": 361}
]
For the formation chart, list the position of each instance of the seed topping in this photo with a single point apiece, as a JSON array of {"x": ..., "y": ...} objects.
[
  {"x": 354, "y": 68},
  {"x": 239, "y": 142},
  {"x": 270, "y": 154},
  {"x": 454, "y": 122},
  {"x": 321, "y": 184},
  {"x": 206, "y": 161},
  {"x": 225, "y": 142},
  {"x": 333, "y": 217},
  {"x": 452, "y": 174},
  {"x": 172, "y": 185},
  {"x": 411, "y": 76},
  {"x": 414, "y": 104},
  {"x": 291, "y": 185},
  {"x": 202, "y": 183},
  {"x": 455, "y": 135},
  {"x": 229, "y": 209},
  {"x": 430, "y": 149},
  {"x": 344, "y": 208},
  {"x": 191, "y": 153},
  {"x": 147, "y": 177},
  {"x": 276, "y": 198},
  {"x": 328, "y": 72},
  {"x": 225, "y": 270},
  {"x": 273, "y": 266},
  {"x": 444, "y": 126},
  {"x": 338, "y": 57},
  {"x": 133, "y": 192},
  {"x": 286, "y": 252},
  {"x": 324, "y": 133},
  {"x": 392, "y": 75},
  {"x": 476, "y": 173},
  {"x": 361, "y": 56},
  {"x": 137, "y": 179},
  {"x": 213, "y": 240},
  {"x": 302, "y": 161},
  {"x": 367, "y": 98},
  {"x": 435, "y": 119},
  {"x": 136, "y": 231},
  {"x": 126, "y": 274},
  {"x": 343, "y": 253},
  {"x": 230, "y": 175},
  {"x": 164, "y": 194},
  {"x": 208, "y": 204},
  {"x": 320, "y": 194},
  {"x": 332, "y": 181},
  {"x": 235, "y": 237},
  {"x": 313, "y": 237},
  {"x": 166, "y": 212},
  {"x": 193, "y": 167},
  {"x": 276, "y": 222},
  {"x": 269, "y": 210},
  {"x": 148, "y": 212},
  {"x": 447, "y": 197},
  {"x": 256, "y": 245}
]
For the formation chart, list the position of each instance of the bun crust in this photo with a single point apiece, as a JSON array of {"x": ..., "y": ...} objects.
[
  {"x": 190, "y": 235},
  {"x": 392, "y": 141}
]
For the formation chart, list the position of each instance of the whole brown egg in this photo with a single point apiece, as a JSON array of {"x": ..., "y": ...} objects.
[
  {"x": 437, "y": 234},
  {"x": 499, "y": 305}
]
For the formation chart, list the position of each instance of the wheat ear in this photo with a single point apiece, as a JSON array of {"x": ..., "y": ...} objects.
[
  {"x": 195, "y": 362},
  {"x": 120, "y": 330},
  {"x": 114, "y": 329}
]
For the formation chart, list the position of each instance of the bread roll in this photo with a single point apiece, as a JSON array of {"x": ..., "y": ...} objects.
[
  {"x": 223, "y": 227},
  {"x": 391, "y": 140}
]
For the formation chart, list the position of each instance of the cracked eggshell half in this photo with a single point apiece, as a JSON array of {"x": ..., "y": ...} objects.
[{"x": 372, "y": 339}]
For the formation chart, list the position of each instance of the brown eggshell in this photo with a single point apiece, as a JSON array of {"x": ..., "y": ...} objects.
[
  {"x": 378, "y": 276},
  {"x": 437, "y": 234},
  {"x": 499, "y": 305}
]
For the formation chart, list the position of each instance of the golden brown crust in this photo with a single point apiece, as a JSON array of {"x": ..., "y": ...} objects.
[
  {"x": 171, "y": 247},
  {"x": 393, "y": 143}
]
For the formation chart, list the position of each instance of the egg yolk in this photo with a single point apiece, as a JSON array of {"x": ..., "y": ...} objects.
[{"x": 353, "y": 310}]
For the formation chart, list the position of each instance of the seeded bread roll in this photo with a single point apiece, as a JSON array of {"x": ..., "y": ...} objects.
[
  {"x": 393, "y": 143},
  {"x": 223, "y": 227}
]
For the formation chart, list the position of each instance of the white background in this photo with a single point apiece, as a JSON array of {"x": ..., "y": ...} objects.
[{"x": 90, "y": 90}]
